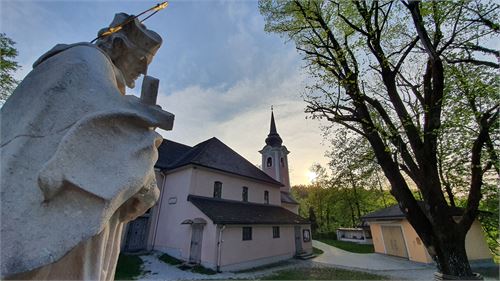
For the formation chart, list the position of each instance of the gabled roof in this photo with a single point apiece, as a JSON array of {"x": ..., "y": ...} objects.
[
  {"x": 223, "y": 211},
  {"x": 170, "y": 152},
  {"x": 394, "y": 212},
  {"x": 211, "y": 153},
  {"x": 286, "y": 197}
]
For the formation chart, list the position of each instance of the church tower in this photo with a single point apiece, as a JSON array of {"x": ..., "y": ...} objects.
[{"x": 274, "y": 157}]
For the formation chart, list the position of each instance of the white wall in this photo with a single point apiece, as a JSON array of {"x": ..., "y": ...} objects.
[
  {"x": 172, "y": 237},
  {"x": 203, "y": 185},
  {"x": 263, "y": 245}
]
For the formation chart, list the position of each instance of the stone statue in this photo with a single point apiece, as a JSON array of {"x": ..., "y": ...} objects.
[{"x": 77, "y": 156}]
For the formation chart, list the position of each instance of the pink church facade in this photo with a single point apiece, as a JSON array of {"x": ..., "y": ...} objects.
[{"x": 219, "y": 210}]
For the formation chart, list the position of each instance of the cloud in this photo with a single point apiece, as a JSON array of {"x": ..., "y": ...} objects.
[
  {"x": 219, "y": 71},
  {"x": 240, "y": 115}
]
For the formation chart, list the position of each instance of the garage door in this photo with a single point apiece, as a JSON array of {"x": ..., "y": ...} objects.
[{"x": 394, "y": 241}]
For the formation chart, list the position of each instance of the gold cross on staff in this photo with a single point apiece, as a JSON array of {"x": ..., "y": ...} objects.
[{"x": 113, "y": 29}]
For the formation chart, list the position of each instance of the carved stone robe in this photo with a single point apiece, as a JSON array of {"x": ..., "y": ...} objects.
[{"x": 77, "y": 162}]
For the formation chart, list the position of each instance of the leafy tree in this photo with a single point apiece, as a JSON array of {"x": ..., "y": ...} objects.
[
  {"x": 312, "y": 219},
  {"x": 355, "y": 170},
  {"x": 384, "y": 70},
  {"x": 331, "y": 203},
  {"x": 8, "y": 67}
]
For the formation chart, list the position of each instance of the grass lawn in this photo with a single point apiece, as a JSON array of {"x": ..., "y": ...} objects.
[
  {"x": 317, "y": 251},
  {"x": 321, "y": 273},
  {"x": 196, "y": 269},
  {"x": 203, "y": 270},
  {"x": 128, "y": 267},
  {"x": 349, "y": 246},
  {"x": 169, "y": 259}
]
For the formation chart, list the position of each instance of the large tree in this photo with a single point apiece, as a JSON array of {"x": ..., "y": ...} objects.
[
  {"x": 7, "y": 67},
  {"x": 383, "y": 69}
]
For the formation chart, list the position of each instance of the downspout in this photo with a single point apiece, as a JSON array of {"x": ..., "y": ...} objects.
[
  {"x": 219, "y": 246},
  {"x": 162, "y": 192}
]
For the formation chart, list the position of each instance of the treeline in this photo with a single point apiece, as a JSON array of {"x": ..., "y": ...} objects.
[
  {"x": 330, "y": 204},
  {"x": 336, "y": 200},
  {"x": 353, "y": 185}
]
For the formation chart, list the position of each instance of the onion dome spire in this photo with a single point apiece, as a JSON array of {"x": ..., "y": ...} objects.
[{"x": 273, "y": 139}]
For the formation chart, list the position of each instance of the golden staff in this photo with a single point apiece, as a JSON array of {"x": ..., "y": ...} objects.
[{"x": 113, "y": 29}]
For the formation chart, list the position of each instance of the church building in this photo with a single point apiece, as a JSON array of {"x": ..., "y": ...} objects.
[{"x": 219, "y": 210}]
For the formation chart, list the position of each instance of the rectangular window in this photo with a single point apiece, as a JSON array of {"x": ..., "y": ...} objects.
[
  {"x": 217, "y": 189},
  {"x": 266, "y": 197},
  {"x": 247, "y": 233},
  {"x": 306, "y": 234},
  {"x": 244, "y": 194},
  {"x": 276, "y": 232}
]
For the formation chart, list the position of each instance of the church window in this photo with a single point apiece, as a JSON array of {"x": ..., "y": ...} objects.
[
  {"x": 247, "y": 233},
  {"x": 269, "y": 161},
  {"x": 217, "y": 189},
  {"x": 266, "y": 197},
  {"x": 282, "y": 162},
  {"x": 244, "y": 194},
  {"x": 276, "y": 232}
]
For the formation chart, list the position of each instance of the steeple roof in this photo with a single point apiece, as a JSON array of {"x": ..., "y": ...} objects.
[{"x": 273, "y": 139}]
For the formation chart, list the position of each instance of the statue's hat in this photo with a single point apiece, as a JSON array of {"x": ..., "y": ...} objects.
[{"x": 145, "y": 39}]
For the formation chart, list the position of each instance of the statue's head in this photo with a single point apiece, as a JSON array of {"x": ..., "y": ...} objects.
[{"x": 131, "y": 49}]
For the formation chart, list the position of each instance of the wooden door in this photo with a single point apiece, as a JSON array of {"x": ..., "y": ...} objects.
[
  {"x": 137, "y": 235},
  {"x": 196, "y": 239},
  {"x": 298, "y": 240},
  {"x": 394, "y": 241}
]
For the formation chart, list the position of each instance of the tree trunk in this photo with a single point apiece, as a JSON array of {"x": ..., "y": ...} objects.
[
  {"x": 353, "y": 218},
  {"x": 381, "y": 190},
  {"x": 451, "y": 257},
  {"x": 356, "y": 199}
]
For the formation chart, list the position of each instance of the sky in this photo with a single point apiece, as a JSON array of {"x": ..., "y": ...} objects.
[{"x": 219, "y": 71}]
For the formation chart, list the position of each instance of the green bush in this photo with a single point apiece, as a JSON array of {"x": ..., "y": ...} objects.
[
  {"x": 350, "y": 246},
  {"x": 332, "y": 235}
]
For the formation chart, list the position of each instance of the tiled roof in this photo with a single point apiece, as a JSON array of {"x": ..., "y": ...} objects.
[
  {"x": 222, "y": 211},
  {"x": 169, "y": 152},
  {"x": 394, "y": 212},
  {"x": 211, "y": 153},
  {"x": 286, "y": 197}
]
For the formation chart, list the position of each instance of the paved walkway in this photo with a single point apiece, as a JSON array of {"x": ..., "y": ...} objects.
[
  {"x": 397, "y": 268},
  {"x": 392, "y": 267}
]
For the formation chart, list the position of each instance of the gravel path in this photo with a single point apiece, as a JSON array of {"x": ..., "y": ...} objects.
[
  {"x": 157, "y": 270},
  {"x": 392, "y": 267}
]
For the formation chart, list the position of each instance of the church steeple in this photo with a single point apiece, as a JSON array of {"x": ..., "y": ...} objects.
[
  {"x": 274, "y": 157},
  {"x": 273, "y": 139}
]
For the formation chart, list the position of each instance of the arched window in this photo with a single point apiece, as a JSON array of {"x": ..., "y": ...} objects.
[
  {"x": 269, "y": 162},
  {"x": 266, "y": 197},
  {"x": 217, "y": 189},
  {"x": 244, "y": 194},
  {"x": 282, "y": 162}
]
